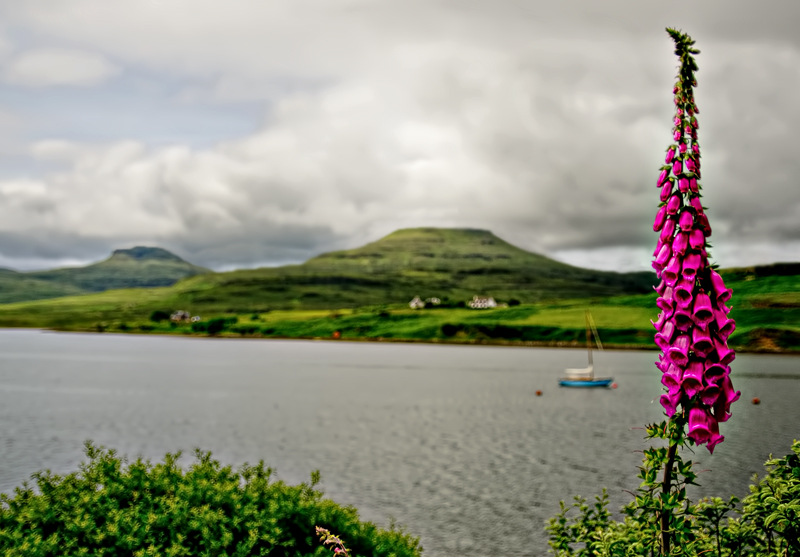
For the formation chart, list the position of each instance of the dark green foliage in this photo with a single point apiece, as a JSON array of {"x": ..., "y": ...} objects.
[
  {"x": 513, "y": 302},
  {"x": 109, "y": 509},
  {"x": 159, "y": 315},
  {"x": 246, "y": 329},
  {"x": 761, "y": 271},
  {"x": 448, "y": 329},
  {"x": 214, "y": 326},
  {"x": 765, "y": 524}
]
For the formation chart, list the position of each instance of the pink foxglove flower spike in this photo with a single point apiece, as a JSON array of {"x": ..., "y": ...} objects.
[{"x": 694, "y": 326}]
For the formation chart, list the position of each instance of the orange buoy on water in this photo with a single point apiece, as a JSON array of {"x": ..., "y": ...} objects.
[
  {"x": 613, "y": 385},
  {"x": 337, "y": 334},
  {"x": 756, "y": 400},
  {"x": 538, "y": 393}
]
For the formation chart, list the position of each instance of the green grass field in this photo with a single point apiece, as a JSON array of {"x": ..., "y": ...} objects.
[{"x": 767, "y": 313}]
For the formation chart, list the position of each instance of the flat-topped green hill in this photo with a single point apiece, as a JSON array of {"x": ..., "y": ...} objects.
[
  {"x": 450, "y": 264},
  {"x": 138, "y": 267}
]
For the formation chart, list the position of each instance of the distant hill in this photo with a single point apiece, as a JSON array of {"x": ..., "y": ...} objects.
[
  {"x": 450, "y": 264},
  {"x": 138, "y": 267}
]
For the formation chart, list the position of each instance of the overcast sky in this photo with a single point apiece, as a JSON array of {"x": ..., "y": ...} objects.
[{"x": 240, "y": 133}]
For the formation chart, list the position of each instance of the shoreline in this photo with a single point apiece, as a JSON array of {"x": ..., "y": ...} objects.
[{"x": 576, "y": 345}]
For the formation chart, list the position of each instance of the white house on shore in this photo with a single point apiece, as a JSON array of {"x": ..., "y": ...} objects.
[
  {"x": 479, "y": 302},
  {"x": 180, "y": 315},
  {"x": 417, "y": 302}
]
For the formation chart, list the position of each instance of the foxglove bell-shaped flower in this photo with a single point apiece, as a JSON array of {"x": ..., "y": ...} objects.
[
  {"x": 715, "y": 372},
  {"x": 672, "y": 271},
  {"x": 696, "y": 239},
  {"x": 682, "y": 148},
  {"x": 723, "y": 294},
  {"x": 680, "y": 244},
  {"x": 704, "y": 225},
  {"x": 683, "y": 185},
  {"x": 703, "y": 312},
  {"x": 673, "y": 204},
  {"x": 679, "y": 351},
  {"x": 690, "y": 265},
  {"x": 690, "y": 165},
  {"x": 695, "y": 202},
  {"x": 716, "y": 438},
  {"x": 725, "y": 325},
  {"x": 682, "y": 292},
  {"x": 666, "y": 190},
  {"x": 670, "y": 155},
  {"x": 662, "y": 177},
  {"x": 722, "y": 408},
  {"x": 724, "y": 354},
  {"x": 693, "y": 184},
  {"x": 700, "y": 425},
  {"x": 656, "y": 251},
  {"x": 682, "y": 319},
  {"x": 662, "y": 258},
  {"x": 662, "y": 318},
  {"x": 668, "y": 230},
  {"x": 676, "y": 135},
  {"x": 670, "y": 402},
  {"x": 710, "y": 394},
  {"x": 692, "y": 382},
  {"x": 672, "y": 378},
  {"x": 701, "y": 342},
  {"x": 664, "y": 302},
  {"x": 663, "y": 337},
  {"x": 676, "y": 167},
  {"x": 686, "y": 221},
  {"x": 661, "y": 216}
]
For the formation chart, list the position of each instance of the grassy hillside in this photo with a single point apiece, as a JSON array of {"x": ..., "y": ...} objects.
[
  {"x": 363, "y": 294},
  {"x": 451, "y": 264},
  {"x": 15, "y": 287},
  {"x": 767, "y": 312},
  {"x": 139, "y": 267}
]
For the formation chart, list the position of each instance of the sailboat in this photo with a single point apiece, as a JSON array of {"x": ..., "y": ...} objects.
[{"x": 585, "y": 377}]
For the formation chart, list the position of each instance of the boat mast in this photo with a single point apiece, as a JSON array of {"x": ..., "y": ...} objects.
[{"x": 589, "y": 345}]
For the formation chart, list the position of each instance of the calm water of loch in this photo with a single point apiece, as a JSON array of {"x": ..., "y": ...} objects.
[{"x": 449, "y": 440}]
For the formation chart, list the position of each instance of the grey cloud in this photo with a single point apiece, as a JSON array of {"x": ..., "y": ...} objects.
[{"x": 544, "y": 122}]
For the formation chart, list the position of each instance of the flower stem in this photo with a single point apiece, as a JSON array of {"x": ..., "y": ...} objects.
[{"x": 666, "y": 486}]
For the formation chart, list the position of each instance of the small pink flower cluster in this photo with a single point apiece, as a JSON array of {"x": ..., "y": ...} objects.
[
  {"x": 693, "y": 326},
  {"x": 329, "y": 539}
]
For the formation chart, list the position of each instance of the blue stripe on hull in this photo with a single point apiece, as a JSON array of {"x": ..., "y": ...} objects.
[{"x": 585, "y": 383}]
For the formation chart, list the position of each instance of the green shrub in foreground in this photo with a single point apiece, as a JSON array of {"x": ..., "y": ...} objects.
[
  {"x": 767, "y": 525},
  {"x": 141, "y": 509}
]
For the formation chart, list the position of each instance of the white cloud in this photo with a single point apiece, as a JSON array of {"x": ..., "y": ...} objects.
[{"x": 45, "y": 67}]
